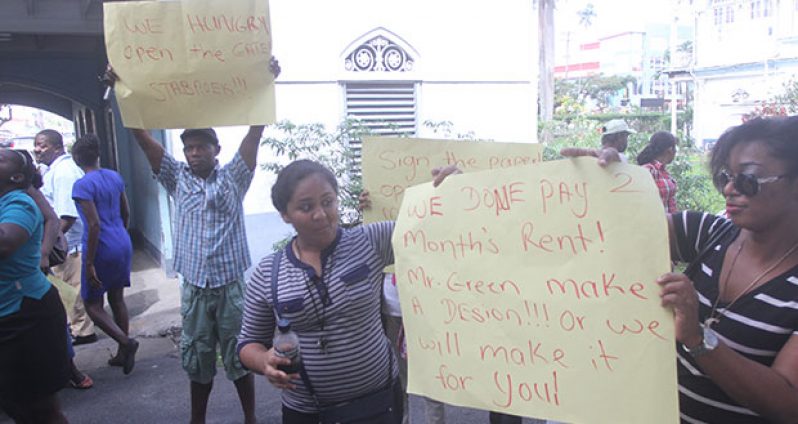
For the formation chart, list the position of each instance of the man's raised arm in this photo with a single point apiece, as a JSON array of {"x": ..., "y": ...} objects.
[
  {"x": 249, "y": 146},
  {"x": 152, "y": 149}
]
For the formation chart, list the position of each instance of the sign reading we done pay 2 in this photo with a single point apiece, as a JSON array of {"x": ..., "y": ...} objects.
[
  {"x": 190, "y": 64},
  {"x": 390, "y": 165},
  {"x": 531, "y": 291}
]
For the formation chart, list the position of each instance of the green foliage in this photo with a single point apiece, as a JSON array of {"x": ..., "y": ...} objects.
[
  {"x": 782, "y": 104},
  {"x": 695, "y": 189},
  {"x": 289, "y": 142},
  {"x": 586, "y": 15},
  {"x": 445, "y": 129},
  {"x": 599, "y": 89},
  {"x": 789, "y": 98},
  {"x": 333, "y": 149}
]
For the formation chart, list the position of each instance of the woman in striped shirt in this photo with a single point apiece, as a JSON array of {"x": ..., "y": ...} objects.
[
  {"x": 329, "y": 287},
  {"x": 736, "y": 316}
]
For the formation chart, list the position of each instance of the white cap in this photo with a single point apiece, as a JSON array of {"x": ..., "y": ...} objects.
[{"x": 616, "y": 126}]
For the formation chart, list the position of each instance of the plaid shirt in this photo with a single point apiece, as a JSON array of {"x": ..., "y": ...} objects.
[
  {"x": 665, "y": 183},
  {"x": 210, "y": 240}
]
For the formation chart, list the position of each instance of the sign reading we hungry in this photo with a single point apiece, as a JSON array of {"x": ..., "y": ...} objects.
[
  {"x": 190, "y": 64},
  {"x": 531, "y": 291},
  {"x": 390, "y": 165}
]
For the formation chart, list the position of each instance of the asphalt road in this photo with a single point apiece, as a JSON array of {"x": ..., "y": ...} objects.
[{"x": 157, "y": 391}]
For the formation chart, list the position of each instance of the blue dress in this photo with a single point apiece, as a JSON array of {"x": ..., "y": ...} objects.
[{"x": 104, "y": 188}]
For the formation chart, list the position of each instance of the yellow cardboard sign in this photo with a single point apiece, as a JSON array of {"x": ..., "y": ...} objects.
[
  {"x": 390, "y": 165},
  {"x": 190, "y": 64},
  {"x": 530, "y": 291}
]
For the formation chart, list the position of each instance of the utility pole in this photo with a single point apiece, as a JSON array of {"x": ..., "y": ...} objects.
[
  {"x": 546, "y": 49},
  {"x": 672, "y": 82}
]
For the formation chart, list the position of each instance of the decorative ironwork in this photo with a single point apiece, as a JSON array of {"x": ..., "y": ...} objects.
[{"x": 378, "y": 55}]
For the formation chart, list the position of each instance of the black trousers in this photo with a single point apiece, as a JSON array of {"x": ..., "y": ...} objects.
[{"x": 291, "y": 416}]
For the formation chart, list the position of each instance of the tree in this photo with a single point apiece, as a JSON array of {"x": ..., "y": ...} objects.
[
  {"x": 586, "y": 15},
  {"x": 580, "y": 91},
  {"x": 333, "y": 149},
  {"x": 782, "y": 104}
]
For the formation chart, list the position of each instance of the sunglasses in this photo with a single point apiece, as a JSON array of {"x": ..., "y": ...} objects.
[{"x": 745, "y": 184}]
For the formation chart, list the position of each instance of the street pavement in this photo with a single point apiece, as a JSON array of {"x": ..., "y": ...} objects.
[{"x": 157, "y": 391}]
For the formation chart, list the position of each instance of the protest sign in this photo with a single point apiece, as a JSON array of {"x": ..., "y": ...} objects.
[
  {"x": 390, "y": 165},
  {"x": 531, "y": 291},
  {"x": 191, "y": 64}
]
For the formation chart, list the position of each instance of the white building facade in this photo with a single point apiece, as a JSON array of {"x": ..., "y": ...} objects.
[
  {"x": 397, "y": 64},
  {"x": 745, "y": 50}
]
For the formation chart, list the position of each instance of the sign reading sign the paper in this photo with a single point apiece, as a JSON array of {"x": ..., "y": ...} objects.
[
  {"x": 390, "y": 165},
  {"x": 531, "y": 291},
  {"x": 191, "y": 64}
]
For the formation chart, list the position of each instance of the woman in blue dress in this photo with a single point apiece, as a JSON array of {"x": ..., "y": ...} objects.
[{"x": 107, "y": 251}]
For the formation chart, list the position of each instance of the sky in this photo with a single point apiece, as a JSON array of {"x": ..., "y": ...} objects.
[{"x": 612, "y": 16}]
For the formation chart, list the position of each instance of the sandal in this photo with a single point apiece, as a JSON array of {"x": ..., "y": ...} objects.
[{"x": 86, "y": 383}]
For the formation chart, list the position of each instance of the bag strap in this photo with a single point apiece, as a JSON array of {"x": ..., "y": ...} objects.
[
  {"x": 722, "y": 232},
  {"x": 275, "y": 271},
  {"x": 302, "y": 373}
]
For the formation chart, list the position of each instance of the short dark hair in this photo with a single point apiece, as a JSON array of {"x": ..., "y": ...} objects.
[
  {"x": 206, "y": 134},
  {"x": 291, "y": 175},
  {"x": 86, "y": 151},
  {"x": 780, "y": 135},
  {"x": 54, "y": 138},
  {"x": 659, "y": 142}
]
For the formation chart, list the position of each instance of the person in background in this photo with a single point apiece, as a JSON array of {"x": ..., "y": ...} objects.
[
  {"x": 211, "y": 255},
  {"x": 435, "y": 411},
  {"x": 659, "y": 153},
  {"x": 60, "y": 176},
  {"x": 52, "y": 229},
  {"x": 107, "y": 250},
  {"x": 615, "y": 134},
  {"x": 34, "y": 363},
  {"x": 735, "y": 318}
]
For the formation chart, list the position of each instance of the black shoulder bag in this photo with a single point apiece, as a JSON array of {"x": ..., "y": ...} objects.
[
  {"x": 58, "y": 254},
  {"x": 383, "y": 406}
]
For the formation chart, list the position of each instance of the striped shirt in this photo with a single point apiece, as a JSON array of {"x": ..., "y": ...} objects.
[
  {"x": 358, "y": 357},
  {"x": 210, "y": 240},
  {"x": 665, "y": 184},
  {"x": 757, "y": 326}
]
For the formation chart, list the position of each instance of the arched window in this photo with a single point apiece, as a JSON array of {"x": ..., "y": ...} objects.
[
  {"x": 379, "y": 54},
  {"x": 380, "y": 84}
]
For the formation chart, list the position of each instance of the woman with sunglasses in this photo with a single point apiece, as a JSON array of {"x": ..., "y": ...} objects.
[
  {"x": 655, "y": 157},
  {"x": 736, "y": 315}
]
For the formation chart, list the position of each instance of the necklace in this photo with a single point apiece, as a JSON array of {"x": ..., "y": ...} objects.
[
  {"x": 715, "y": 315},
  {"x": 323, "y": 299}
]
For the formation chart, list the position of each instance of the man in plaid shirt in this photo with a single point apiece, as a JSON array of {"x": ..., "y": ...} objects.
[{"x": 211, "y": 253}]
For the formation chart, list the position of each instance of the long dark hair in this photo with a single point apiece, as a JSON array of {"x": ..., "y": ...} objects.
[{"x": 659, "y": 142}]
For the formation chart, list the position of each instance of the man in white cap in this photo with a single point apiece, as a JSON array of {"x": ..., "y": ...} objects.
[{"x": 615, "y": 134}]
